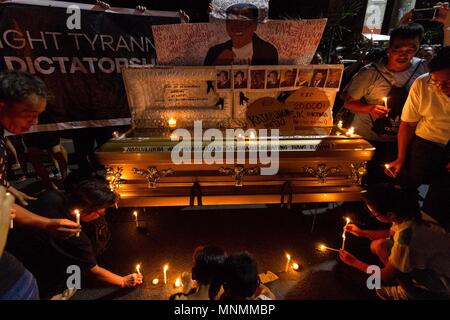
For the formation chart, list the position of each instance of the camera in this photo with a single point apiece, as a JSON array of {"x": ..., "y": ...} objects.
[{"x": 424, "y": 14}]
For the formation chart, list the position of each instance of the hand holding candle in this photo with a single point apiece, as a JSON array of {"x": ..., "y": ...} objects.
[
  {"x": 347, "y": 221},
  {"x": 288, "y": 262}
]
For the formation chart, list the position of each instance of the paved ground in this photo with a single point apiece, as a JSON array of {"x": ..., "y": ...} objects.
[{"x": 169, "y": 235}]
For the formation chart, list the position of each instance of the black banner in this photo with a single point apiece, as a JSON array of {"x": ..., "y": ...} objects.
[{"x": 78, "y": 52}]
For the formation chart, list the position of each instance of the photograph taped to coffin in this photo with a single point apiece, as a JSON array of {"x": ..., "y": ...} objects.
[{"x": 157, "y": 94}]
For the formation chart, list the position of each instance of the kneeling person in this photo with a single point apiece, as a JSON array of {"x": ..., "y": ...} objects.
[{"x": 48, "y": 258}]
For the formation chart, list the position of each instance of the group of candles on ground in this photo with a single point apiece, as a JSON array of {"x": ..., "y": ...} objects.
[{"x": 290, "y": 264}]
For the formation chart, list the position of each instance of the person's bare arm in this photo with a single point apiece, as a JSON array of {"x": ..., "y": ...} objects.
[
  {"x": 376, "y": 111},
  {"x": 404, "y": 137},
  {"x": 369, "y": 234},
  {"x": 388, "y": 273},
  {"x": 61, "y": 228},
  {"x": 114, "y": 279}
]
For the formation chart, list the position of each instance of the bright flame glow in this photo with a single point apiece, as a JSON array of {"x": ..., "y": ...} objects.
[
  {"x": 178, "y": 283},
  {"x": 351, "y": 131},
  {"x": 172, "y": 122},
  {"x": 155, "y": 281},
  {"x": 138, "y": 268},
  {"x": 295, "y": 266}
]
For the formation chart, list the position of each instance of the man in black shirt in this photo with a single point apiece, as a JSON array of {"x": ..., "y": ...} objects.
[{"x": 48, "y": 258}]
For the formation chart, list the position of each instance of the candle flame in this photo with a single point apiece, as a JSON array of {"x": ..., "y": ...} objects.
[
  {"x": 384, "y": 99},
  {"x": 347, "y": 219},
  {"x": 172, "y": 121},
  {"x": 386, "y": 166},
  {"x": 155, "y": 281},
  {"x": 351, "y": 131},
  {"x": 135, "y": 213},
  {"x": 288, "y": 256},
  {"x": 138, "y": 268},
  {"x": 295, "y": 266},
  {"x": 178, "y": 283},
  {"x": 322, "y": 247},
  {"x": 166, "y": 267}
]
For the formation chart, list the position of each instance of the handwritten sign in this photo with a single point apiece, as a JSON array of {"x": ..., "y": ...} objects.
[
  {"x": 269, "y": 113},
  {"x": 188, "y": 94},
  {"x": 310, "y": 108},
  {"x": 188, "y": 44}
]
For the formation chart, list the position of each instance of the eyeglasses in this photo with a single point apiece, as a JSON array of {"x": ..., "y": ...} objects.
[{"x": 439, "y": 84}]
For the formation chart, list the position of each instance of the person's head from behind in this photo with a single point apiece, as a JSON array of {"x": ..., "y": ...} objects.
[
  {"x": 241, "y": 276},
  {"x": 440, "y": 70},
  {"x": 23, "y": 98},
  {"x": 404, "y": 43},
  {"x": 241, "y": 23},
  {"x": 391, "y": 203},
  {"x": 91, "y": 197},
  {"x": 208, "y": 267}
]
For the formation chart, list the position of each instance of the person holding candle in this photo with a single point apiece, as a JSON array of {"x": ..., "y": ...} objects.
[
  {"x": 421, "y": 270},
  {"x": 423, "y": 139},
  {"x": 390, "y": 77},
  {"x": 22, "y": 98},
  {"x": 49, "y": 258},
  {"x": 207, "y": 272}
]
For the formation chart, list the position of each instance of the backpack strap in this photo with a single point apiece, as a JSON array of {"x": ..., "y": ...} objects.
[
  {"x": 415, "y": 70},
  {"x": 381, "y": 74}
]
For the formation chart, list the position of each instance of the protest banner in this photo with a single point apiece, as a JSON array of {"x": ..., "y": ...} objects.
[{"x": 81, "y": 65}]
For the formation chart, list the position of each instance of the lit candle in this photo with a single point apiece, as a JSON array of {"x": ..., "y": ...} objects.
[
  {"x": 11, "y": 222},
  {"x": 385, "y": 99},
  {"x": 288, "y": 262},
  {"x": 350, "y": 131},
  {"x": 295, "y": 266},
  {"x": 347, "y": 221},
  {"x": 138, "y": 269},
  {"x": 115, "y": 134},
  {"x": 340, "y": 124},
  {"x": 155, "y": 281},
  {"x": 324, "y": 248},
  {"x": 177, "y": 283},
  {"x": 172, "y": 123},
  {"x": 136, "y": 218},
  {"x": 166, "y": 267},
  {"x": 77, "y": 215}
]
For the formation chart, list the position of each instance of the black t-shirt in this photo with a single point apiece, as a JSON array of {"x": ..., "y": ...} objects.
[{"x": 46, "y": 257}]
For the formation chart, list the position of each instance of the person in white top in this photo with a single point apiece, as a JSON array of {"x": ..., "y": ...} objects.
[{"x": 424, "y": 134}]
